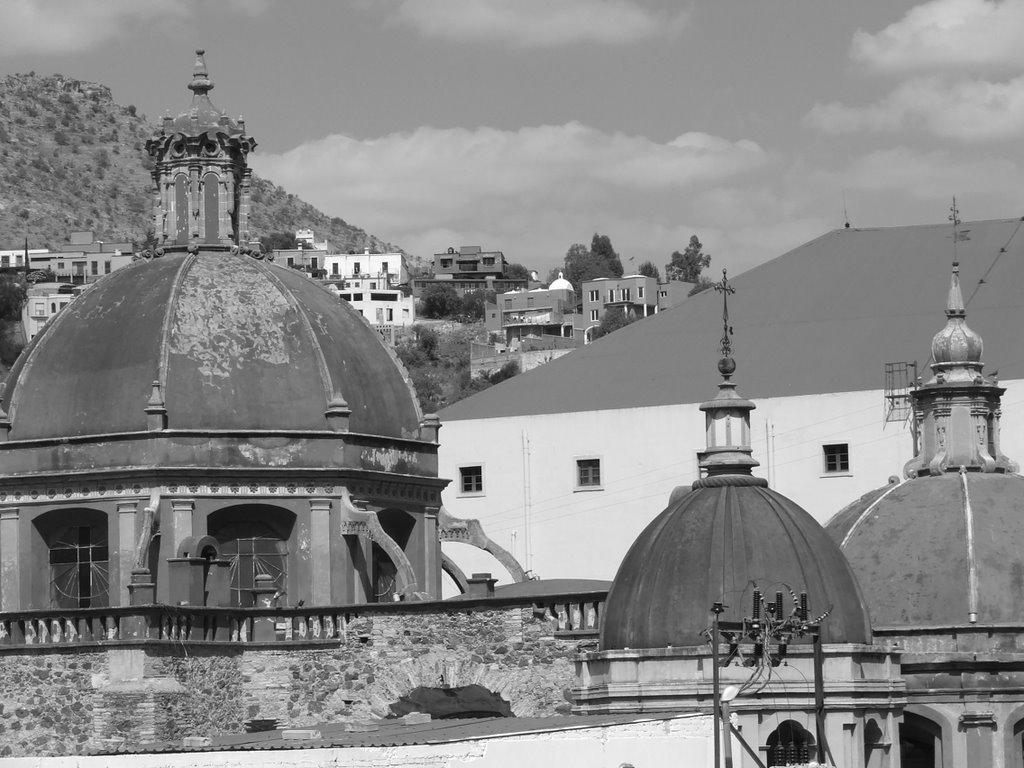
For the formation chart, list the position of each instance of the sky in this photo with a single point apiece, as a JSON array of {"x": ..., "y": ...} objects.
[{"x": 528, "y": 125}]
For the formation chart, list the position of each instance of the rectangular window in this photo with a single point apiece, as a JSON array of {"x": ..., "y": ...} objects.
[
  {"x": 291, "y": 261},
  {"x": 625, "y": 294},
  {"x": 355, "y": 269},
  {"x": 471, "y": 479},
  {"x": 357, "y": 297},
  {"x": 390, "y": 314},
  {"x": 588, "y": 473},
  {"x": 611, "y": 295},
  {"x": 595, "y": 295},
  {"x": 593, "y": 315},
  {"x": 106, "y": 267},
  {"x": 384, "y": 268},
  {"x": 640, "y": 292},
  {"x": 334, "y": 269},
  {"x": 446, "y": 263},
  {"x": 837, "y": 457},
  {"x": 529, "y": 301},
  {"x": 508, "y": 302}
]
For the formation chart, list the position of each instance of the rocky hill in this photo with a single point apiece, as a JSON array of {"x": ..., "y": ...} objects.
[{"x": 73, "y": 159}]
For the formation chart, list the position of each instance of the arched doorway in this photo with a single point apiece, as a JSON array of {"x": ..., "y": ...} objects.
[
  {"x": 255, "y": 539},
  {"x": 78, "y": 554},
  {"x": 920, "y": 742},
  {"x": 790, "y": 744}
]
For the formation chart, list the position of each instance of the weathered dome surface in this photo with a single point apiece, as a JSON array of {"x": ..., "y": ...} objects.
[
  {"x": 909, "y": 547},
  {"x": 713, "y": 545},
  {"x": 236, "y": 343}
]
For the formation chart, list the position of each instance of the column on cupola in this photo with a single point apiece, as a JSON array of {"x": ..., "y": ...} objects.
[{"x": 958, "y": 408}]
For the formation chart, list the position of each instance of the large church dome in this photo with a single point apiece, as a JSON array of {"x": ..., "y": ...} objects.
[
  {"x": 943, "y": 548},
  {"x": 727, "y": 539},
  {"x": 227, "y": 342},
  {"x": 718, "y": 543}
]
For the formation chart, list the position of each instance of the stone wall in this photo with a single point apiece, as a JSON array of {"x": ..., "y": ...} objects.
[{"x": 62, "y": 701}]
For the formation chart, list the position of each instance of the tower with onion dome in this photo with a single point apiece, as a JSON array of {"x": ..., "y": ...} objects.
[
  {"x": 940, "y": 559},
  {"x": 201, "y": 176}
]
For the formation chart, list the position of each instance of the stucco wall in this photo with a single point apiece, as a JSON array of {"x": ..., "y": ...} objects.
[
  {"x": 529, "y": 470},
  {"x": 57, "y": 701}
]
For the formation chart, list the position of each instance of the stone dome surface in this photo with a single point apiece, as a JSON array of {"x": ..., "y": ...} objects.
[
  {"x": 909, "y": 547},
  {"x": 236, "y": 343},
  {"x": 714, "y": 544}
]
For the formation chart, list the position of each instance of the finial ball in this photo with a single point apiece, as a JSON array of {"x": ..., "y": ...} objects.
[{"x": 727, "y": 366}]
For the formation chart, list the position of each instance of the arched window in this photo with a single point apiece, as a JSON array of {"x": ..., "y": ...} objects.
[
  {"x": 920, "y": 742},
  {"x": 79, "y": 558},
  {"x": 254, "y": 538},
  {"x": 181, "y": 209},
  {"x": 211, "y": 206},
  {"x": 399, "y": 526},
  {"x": 790, "y": 744}
]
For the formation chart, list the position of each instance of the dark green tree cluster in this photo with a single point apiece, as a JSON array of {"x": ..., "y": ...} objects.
[
  {"x": 687, "y": 266},
  {"x": 12, "y": 299},
  {"x": 582, "y": 263},
  {"x": 438, "y": 364},
  {"x": 612, "y": 320},
  {"x": 442, "y": 302}
]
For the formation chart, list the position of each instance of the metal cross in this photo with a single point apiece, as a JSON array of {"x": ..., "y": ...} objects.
[{"x": 725, "y": 289}]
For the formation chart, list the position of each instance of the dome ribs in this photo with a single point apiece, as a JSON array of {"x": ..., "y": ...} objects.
[
  {"x": 331, "y": 395},
  {"x": 165, "y": 330}
]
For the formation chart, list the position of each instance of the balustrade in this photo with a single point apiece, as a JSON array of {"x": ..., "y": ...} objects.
[{"x": 570, "y": 616}]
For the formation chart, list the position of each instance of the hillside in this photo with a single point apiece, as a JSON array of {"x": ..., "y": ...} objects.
[{"x": 73, "y": 159}]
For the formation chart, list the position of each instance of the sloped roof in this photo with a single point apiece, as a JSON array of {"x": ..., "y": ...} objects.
[{"x": 824, "y": 317}]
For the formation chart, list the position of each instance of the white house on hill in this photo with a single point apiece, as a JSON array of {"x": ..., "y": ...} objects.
[{"x": 565, "y": 464}]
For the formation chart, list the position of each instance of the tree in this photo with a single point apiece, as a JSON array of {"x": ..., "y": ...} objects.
[
  {"x": 279, "y": 241},
  {"x": 12, "y": 298},
  {"x": 440, "y": 301},
  {"x": 601, "y": 249},
  {"x": 516, "y": 272},
  {"x": 687, "y": 266},
  {"x": 612, "y": 320},
  {"x": 647, "y": 269},
  {"x": 580, "y": 265},
  {"x": 474, "y": 304}
]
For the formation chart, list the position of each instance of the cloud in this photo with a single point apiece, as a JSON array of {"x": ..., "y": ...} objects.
[
  {"x": 71, "y": 26},
  {"x": 536, "y": 189},
  {"x": 967, "y": 110},
  {"x": 946, "y": 34},
  {"x": 537, "y": 23}
]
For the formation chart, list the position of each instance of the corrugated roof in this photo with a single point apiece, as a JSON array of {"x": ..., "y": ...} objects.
[{"x": 824, "y": 317}]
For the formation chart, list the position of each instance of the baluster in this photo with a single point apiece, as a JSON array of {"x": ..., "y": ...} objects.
[
  {"x": 111, "y": 624},
  {"x": 302, "y": 628},
  {"x": 314, "y": 623},
  {"x": 577, "y": 616},
  {"x": 55, "y": 631},
  {"x": 243, "y": 630},
  {"x": 563, "y": 617},
  {"x": 328, "y": 627},
  {"x": 4, "y": 633},
  {"x": 235, "y": 624},
  {"x": 72, "y": 630},
  {"x": 288, "y": 628},
  {"x": 591, "y": 616},
  {"x": 30, "y": 632},
  {"x": 44, "y": 632}
]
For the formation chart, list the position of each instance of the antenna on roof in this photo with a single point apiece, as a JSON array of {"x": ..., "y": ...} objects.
[{"x": 846, "y": 216}]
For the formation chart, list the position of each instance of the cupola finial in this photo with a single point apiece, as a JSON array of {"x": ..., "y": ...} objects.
[
  {"x": 201, "y": 83},
  {"x": 727, "y": 417}
]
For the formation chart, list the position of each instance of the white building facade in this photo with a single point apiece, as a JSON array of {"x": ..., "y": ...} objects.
[
  {"x": 382, "y": 269},
  {"x": 570, "y": 461}
]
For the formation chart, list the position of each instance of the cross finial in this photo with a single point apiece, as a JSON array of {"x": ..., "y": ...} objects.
[
  {"x": 954, "y": 214},
  {"x": 725, "y": 289}
]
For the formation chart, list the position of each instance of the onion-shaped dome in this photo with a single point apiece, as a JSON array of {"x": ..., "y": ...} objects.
[
  {"x": 719, "y": 543},
  {"x": 218, "y": 341},
  {"x": 956, "y": 345},
  {"x": 561, "y": 284},
  {"x": 938, "y": 550}
]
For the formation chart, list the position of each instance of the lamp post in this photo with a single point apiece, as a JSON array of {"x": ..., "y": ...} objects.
[{"x": 727, "y": 696}]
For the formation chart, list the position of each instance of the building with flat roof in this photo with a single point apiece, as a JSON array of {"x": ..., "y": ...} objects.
[{"x": 470, "y": 268}]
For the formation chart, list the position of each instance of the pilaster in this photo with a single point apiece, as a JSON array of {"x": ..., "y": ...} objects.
[
  {"x": 126, "y": 540},
  {"x": 10, "y": 559}
]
